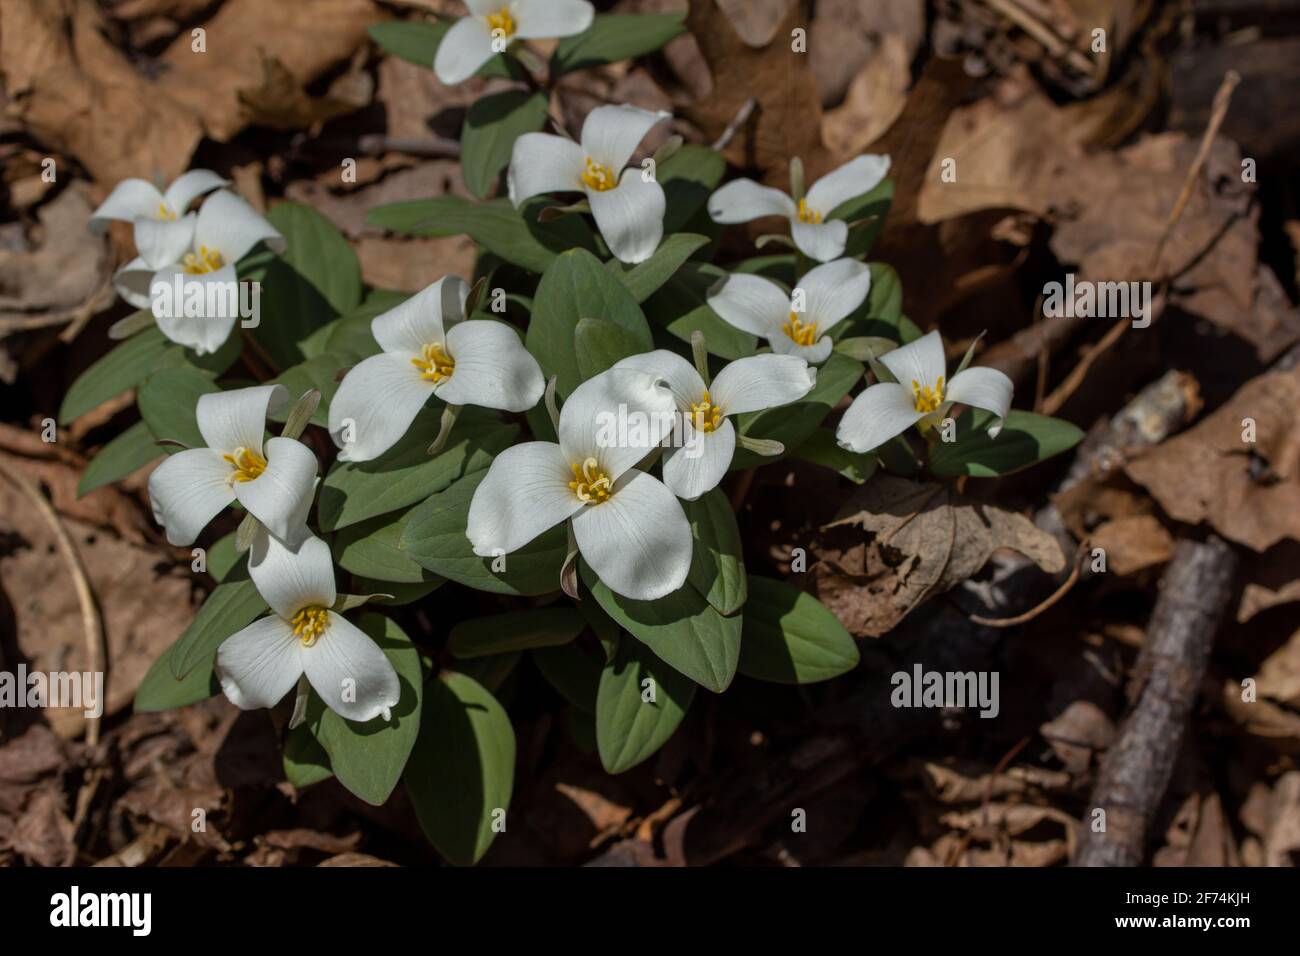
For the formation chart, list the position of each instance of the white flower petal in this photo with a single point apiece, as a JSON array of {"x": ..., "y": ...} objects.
[
  {"x": 162, "y": 242},
  {"x": 236, "y": 419},
  {"x": 463, "y": 50},
  {"x": 762, "y": 381},
  {"x": 832, "y": 291},
  {"x": 423, "y": 319},
  {"x": 543, "y": 163},
  {"x": 701, "y": 461},
  {"x": 877, "y": 415},
  {"x": 855, "y": 178},
  {"x": 813, "y": 354},
  {"x": 751, "y": 303},
  {"x": 133, "y": 281},
  {"x": 493, "y": 369},
  {"x": 292, "y": 577},
  {"x": 630, "y": 216},
  {"x": 921, "y": 362},
  {"x": 130, "y": 199},
  {"x": 281, "y": 495},
  {"x": 352, "y": 675},
  {"x": 611, "y": 134},
  {"x": 189, "y": 186},
  {"x": 543, "y": 19},
  {"x": 985, "y": 388},
  {"x": 525, "y": 492},
  {"x": 187, "y": 491},
  {"x": 204, "y": 333},
  {"x": 231, "y": 226},
  {"x": 590, "y": 420},
  {"x": 822, "y": 241},
  {"x": 639, "y": 541},
  {"x": 743, "y": 199},
  {"x": 375, "y": 405},
  {"x": 260, "y": 664},
  {"x": 678, "y": 374}
]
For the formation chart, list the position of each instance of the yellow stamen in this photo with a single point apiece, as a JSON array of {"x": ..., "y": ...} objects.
[
  {"x": 205, "y": 260},
  {"x": 165, "y": 214},
  {"x": 705, "y": 415},
  {"x": 927, "y": 399},
  {"x": 309, "y": 624},
  {"x": 801, "y": 333},
  {"x": 590, "y": 484},
  {"x": 598, "y": 176},
  {"x": 807, "y": 214},
  {"x": 247, "y": 463},
  {"x": 436, "y": 365},
  {"x": 503, "y": 21}
]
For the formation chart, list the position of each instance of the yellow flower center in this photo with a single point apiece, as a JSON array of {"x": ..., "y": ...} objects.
[
  {"x": 503, "y": 21},
  {"x": 436, "y": 364},
  {"x": 247, "y": 463},
  {"x": 205, "y": 260},
  {"x": 807, "y": 213},
  {"x": 589, "y": 483},
  {"x": 165, "y": 214},
  {"x": 309, "y": 624},
  {"x": 801, "y": 333},
  {"x": 927, "y": 399},
  {"x": 598, "y": 176},
  {"x": 705, "y": 415}
]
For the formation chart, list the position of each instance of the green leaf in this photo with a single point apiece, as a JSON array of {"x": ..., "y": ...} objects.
[
  {"x": 821, "y": 448},
  {"x": 435, "y": 537},
  {"x": 305, "y": 760},
  {"x": 515, "y": 631},
  {"x": 169, "y": 400},
  {"x": 630, "y": 729},
  {"x": 577, "y": 286},
  {"x": 492, "y": 672},
  {"x": 492, "y": 124},
  {"x": 613, "y": 37},
  {"x": 680, "y": 306},
  {"x": 320, "y": 372},
  {"x": 232, "y": 606},
  {"x": 162, "y": 690},
  {"x": 791, "y": 638},
  {"x": 1025, "y": 439},
  {"x": 351, "y": 335},
  {"x": 514, "y": 235},
  {"x": 132, "y": 449},
  {"x": 462, "y": 771},
  {"x": 354, "y": 491},
  {"x": 643, "y": 279},
  {"x": 717, "y": 567},
  {"x": 792, "y": 424},
  {"x": 572, "y": 671},
  {"x": 369, "y": 758},
  {"x": 370, "y": 549},
  {"x": 416, "y": 41},
  {"x": 682, "y": 628},
  {"x": 874, "y": 206},
  {"x": 222, "y": 557},
  {"x": 599, "y": 343},
  {"x": 688, "y": 178},
  {"x": 135, "y": 360}
]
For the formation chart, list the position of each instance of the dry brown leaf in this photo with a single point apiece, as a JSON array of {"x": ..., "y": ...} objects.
[
  {"x": 875, "y": 99},
  {"x": 1248, "y": 492},
  {"x": 281, "y": 103},
  {"x": 1274, "y": 816},
  {"x": 1279, "y": 674},
  {"x": 899, "y": 542},
  {"x": 1133, "y": 544}
]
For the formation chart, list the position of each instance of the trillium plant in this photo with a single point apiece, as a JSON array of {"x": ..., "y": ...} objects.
[{"x": 571, "y": 430}]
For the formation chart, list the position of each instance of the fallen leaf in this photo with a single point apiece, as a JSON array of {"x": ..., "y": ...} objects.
[{"x": 1133, "y": 543}]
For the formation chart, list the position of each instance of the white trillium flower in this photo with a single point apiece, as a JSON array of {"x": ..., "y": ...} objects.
[
  {"x": 814, "y": 234},
  {"x": 429, "y": 349},
  {"x": 798, "y": 323},
  {"x": 260, "y": 664},
  {"x": 494, "y": 24},
  {"x": 163, "y": 227},
  {"x": 627, "y": 206},
  {"x": 697, "y": 463},
  {"x": 630, "y": 529},
  {"x": 273, "y": 481},
  {"x": 921, "y": 396},
  {"x": 225, "y": 230}
]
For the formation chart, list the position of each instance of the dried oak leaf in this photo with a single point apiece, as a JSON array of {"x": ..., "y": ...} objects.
[
  {"x": 1133, "y": 543},
  {"x": 1247, "y": 491},
  {"x": 896, "y": 543},
  {"x": 1279, "y": 674}
]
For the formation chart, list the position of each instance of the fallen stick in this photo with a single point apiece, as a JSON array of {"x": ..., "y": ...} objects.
[{"x": 1135, "y": 771}]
